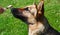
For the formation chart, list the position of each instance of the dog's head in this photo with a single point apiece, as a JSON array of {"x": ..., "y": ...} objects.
[{"x": 29, "y": 12}]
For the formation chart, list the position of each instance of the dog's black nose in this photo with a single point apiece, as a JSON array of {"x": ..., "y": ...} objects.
[{"x": 14, "y": 10}]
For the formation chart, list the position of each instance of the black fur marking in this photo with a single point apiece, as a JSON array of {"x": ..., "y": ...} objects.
[{"x": 15, "y": 12}]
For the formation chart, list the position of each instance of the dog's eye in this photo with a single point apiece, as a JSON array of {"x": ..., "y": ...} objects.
[{"x": 27, "y": 8}]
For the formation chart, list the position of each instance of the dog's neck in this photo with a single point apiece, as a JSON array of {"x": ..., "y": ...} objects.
[
  {"x": 35, "y": 27},
  {"x": 38, "y": 26}
]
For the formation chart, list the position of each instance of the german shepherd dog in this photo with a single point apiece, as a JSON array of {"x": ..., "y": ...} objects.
[{"x": 34, "y": 17}]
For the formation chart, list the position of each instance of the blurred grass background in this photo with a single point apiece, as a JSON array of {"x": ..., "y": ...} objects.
[{"x": 13, "y": 26}]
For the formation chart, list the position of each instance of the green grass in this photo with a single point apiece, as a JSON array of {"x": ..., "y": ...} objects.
[
  {"x": 52, "y": 12},
  {"x": 13, "y": 26}
]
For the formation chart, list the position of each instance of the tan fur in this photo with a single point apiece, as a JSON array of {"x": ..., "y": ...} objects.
[{"x": 35, "y": 28}]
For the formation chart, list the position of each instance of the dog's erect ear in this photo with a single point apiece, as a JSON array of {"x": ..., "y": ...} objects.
[
  {"x": 40, "y": 10},
  {"x": 40, "y": 7}
]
